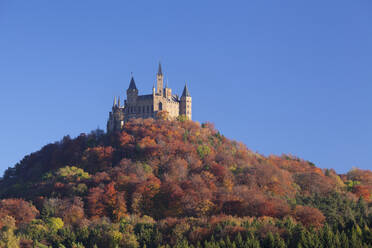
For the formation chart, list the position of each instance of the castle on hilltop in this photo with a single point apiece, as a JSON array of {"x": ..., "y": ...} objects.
[{"x": 148, "y": 106}]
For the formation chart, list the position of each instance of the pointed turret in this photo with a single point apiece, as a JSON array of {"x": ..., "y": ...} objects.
[
  {"x": 159, "y": 81},
  {"x": 185, "y": 91},
  {"x": 185, "y": 103},
  {"x": 132, "y": 91},
  {"x": 160, "y": 72},
  {"x": 119, "y": 101},
  {"x": 114, "y": 105},
  {"x": 132, "y": 84}
]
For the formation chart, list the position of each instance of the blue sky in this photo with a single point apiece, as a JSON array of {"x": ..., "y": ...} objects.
[{"x": 281, "y": 76}]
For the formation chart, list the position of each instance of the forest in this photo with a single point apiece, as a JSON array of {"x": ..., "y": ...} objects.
[{"x": 163, "y": 183}]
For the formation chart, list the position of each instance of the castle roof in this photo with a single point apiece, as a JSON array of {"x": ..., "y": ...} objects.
[
  {"x": 144, "y": 97},
  {"x": 132, "y": 84},
  {"x": 185, "y": 91}
]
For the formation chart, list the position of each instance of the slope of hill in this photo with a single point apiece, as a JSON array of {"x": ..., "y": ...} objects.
[{"x": 178, "y": 183}]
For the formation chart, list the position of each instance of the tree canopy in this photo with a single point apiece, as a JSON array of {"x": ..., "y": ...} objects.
[{"x": 178, "y": 183}]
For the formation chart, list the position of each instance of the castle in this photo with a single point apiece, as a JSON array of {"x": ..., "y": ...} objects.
[{"x": 148, "y": 106}]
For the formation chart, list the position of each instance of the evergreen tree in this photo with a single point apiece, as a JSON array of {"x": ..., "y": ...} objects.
[
  {"x": 239, "y": 240},
  {"x": 344, "y": 240},
  {"x": 279, "y": 241},
  {"x": 269, "y": 241},
  {"x": 328, "y": 237}
]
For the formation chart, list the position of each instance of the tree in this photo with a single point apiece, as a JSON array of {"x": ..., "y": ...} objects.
[
  {"x": 96, "y": 207},
  {"x": 22, "y": 211},
  {"x": 309, "y": 216},
  {"x": 54, "y": 224},
  {"x": 162, "y": 115},
  {"x": 106, "y": 202},
  {"x": 7, "y": 237},
  {"x": 114, "y": 202},
  {"x": 97, "y": 158},
  {"x": 71, "y": 174}
]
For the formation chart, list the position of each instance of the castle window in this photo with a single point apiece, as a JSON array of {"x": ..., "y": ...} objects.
[
  {"x": 160, "y": 106},
  {"x": 148, "y": 109},
  {"x": 143, "y": 109}
]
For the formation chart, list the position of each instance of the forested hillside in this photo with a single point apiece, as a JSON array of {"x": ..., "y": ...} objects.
[{"x": 163, "y": 183}]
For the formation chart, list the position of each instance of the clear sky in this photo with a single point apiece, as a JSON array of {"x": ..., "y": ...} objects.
[{"x": 281, "y": 76}]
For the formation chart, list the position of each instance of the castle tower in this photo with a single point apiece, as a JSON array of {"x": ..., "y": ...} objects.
[
  {"x": 116, "y": 117},
  {"x": 132, "y": 91},
  {"x": 167, "y": 91},
  {"x": 159, "y": 81},
  {"x": 185, "y": 103}
]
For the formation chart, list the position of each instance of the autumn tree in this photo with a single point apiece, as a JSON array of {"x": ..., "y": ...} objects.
[
  {"x": 309, "y": 216},
  {"x": 22, "y": 211}
]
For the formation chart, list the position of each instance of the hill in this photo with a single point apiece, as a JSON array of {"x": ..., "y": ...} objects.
[{"x": 178, "y": 183}]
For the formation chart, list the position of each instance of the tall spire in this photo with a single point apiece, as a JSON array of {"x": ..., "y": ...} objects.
[
  {"x": 185, "y": 91},
  {"x": 119, "y": 101},
  {"x": 114, "y": 101},
  {"x": 160, "y": 72}
]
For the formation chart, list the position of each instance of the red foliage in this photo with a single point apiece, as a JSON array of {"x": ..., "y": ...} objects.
[
  {"x": 95, "y": 204},
  {"x": 309, "y": 216},
  {"x": 22, "y": 211},
  {"x": 219, "y": 171},
  {"x": 364, "y": 191},
  {"x": 171, "y": 168},
  {"x": 97, "y": 158},
  {"x": 106, "y": 201}
]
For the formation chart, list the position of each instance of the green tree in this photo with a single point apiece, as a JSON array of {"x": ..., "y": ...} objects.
[
  {"x": 7, "y": 237},
  {"x": 72, "y": 174}
]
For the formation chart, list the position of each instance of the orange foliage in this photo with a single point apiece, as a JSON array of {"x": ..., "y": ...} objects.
[
  {"x": 106, "y": 202},
  {"x": 364, "y": 191},
  {"x": 309, "y": 216},
  {"x": 178, "y": 168}
]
